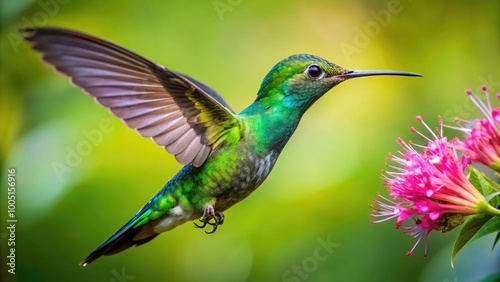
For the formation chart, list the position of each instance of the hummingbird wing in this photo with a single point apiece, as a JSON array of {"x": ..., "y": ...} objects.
[
  {"x": 178, "y": 112},
  {"x": 208, "y": 90}
]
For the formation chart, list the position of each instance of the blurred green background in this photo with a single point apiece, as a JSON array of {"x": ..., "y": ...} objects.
[{"x": 322, "y": 186}]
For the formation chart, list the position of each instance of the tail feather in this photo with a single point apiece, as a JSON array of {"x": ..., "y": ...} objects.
[
  {"x": 125, "y": 237},
  {"x": 147, "y": 223},
  {"x": 115, "y": 245}
]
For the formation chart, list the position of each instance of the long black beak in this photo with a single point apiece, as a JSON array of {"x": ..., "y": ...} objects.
[{"x": 360, "y": 73}]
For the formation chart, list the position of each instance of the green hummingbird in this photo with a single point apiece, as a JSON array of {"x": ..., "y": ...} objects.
[{"x": 226, "y": 155}]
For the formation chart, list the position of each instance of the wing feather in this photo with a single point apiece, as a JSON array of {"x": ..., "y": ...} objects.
[{"x": 178, "y": 112}]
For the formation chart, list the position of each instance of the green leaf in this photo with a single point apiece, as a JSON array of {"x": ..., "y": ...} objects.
[
  {"x": 485, "y": 185},
  {"x": 471, "y": 227},
  {"x": 495, "y": 242},
  {"x": 493, "y": 277},
  {"x": 477, "y": 179},
  {"x": 493, "y": 225},
  {"x": 493, "y": 184}
]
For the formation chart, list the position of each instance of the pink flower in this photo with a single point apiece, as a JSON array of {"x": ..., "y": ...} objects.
[
  {"x": 428, "y": 183},
  {"x": 482, "y": 137}
]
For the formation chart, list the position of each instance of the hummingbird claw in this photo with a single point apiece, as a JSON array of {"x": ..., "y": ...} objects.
[
  {"x": 213, "y": 230},
  {"x": 220, "y": 218},
  {"x": 209, "y": 214},
  {"x": 200, "y": 226}
]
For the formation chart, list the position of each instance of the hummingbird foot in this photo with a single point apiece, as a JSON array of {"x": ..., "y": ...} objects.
[{"x": 208, "y": 214}]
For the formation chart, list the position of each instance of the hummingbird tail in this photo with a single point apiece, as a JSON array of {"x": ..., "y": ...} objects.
[
  {"x": 127, "y": 236},
  {"x": 116, "y": 244}
]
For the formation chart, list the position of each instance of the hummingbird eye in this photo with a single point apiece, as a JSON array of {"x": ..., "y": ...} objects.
[{"x": 315, "y": 72}]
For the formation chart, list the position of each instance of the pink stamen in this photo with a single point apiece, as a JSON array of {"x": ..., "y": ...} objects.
[
  {"x": 487, "y": 97},
  {"x": 419, "y": 118}
]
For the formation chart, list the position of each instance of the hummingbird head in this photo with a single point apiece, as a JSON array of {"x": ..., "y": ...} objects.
[{"x": 299, "y": 80}]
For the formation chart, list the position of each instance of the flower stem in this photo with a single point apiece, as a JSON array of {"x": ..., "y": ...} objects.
[{"x": 489, "y": 209}]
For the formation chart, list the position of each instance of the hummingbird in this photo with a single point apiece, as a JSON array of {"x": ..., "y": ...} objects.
[{"x": 226, "y": 155}]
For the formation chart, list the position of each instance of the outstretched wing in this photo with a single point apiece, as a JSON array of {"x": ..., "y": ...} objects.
[{"x": 178, "y": 112}]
